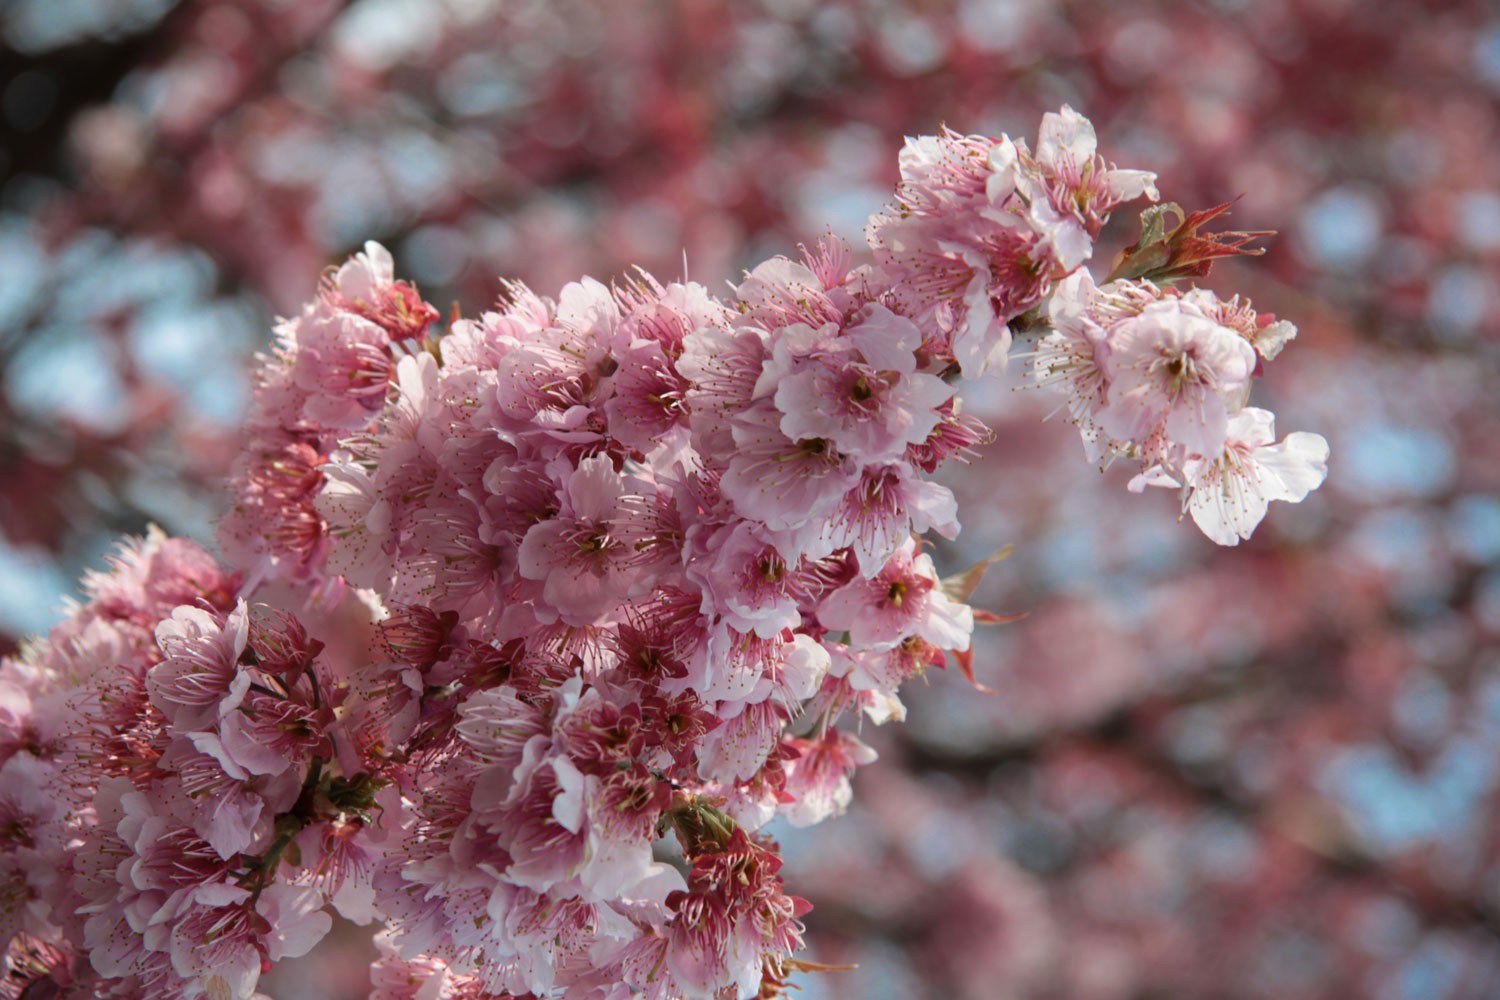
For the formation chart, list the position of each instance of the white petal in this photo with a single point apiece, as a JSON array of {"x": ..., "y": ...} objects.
[
  {"x": 1299, "y": 464},
  {"x": 1227, "y": 511},
  {"x": 1068, "y": 132},
  {"x": 1270, "y": 339},
  {"x": 1001, "y": 183},
  {"x": 1128, "y": 185}
]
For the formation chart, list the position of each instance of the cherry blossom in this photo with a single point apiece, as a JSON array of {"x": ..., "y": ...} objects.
[
  {"x": 514, "y": 602},
  {"x": 1229, "y": 493}
]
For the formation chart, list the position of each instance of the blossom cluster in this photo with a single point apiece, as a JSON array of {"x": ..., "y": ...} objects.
[
  {"x": 1162, "y": 376},
  {"x": 616, "y": 565}
]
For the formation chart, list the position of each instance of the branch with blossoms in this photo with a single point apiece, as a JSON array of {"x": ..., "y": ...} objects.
[{"x": 510, "y": 604}]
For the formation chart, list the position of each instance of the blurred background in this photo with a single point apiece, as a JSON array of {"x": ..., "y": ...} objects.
[{"x": 1267, "y": 772}]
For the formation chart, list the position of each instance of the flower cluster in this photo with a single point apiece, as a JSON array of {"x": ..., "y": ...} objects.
[
  {"x": 1162, "y": 376},
  {"x": 169, "y": 815},
  {"x": 328, "y": 376},
  {"x": 983, "y": 229},
  {"x": 616, "y": 567},
  {"x": 643, "y": 550}
]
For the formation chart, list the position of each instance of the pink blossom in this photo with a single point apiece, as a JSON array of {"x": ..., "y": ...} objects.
[
  {"x": 623, "y": 806},
  {"x": 1070, "y": 190},
  {"x": 366, "y": 285},
  {"x": 341, "y": 365},
  {"x": 358, "y": 521},
  {"x": 225, "y": 807},
  {"x": 275, "y": 517},
  {"x": 214, "y": 941},
  {"x": 724, "y": 368},
  {"x": 705, "y": 957},
  {"x": 861, "y": 390},
  {"x": 778, "y": 481},
  {"x": 779, "y": 293},
  {"x": 550, "y": 370},
  {"x": 950, "y": 259},
  {"x": 1228, "y": 495},
  {"x": 198, "y": 680},
  {"x": 733, "y": 916},
  {"x": 730, "y": 665},
  {"x": 586, "y": 556},
  {"x": 650, "y": 398},
  {"x": 541, "y": 823},
  {"x": 746, "y": 580},
  {"x": 900, "y": 601},
  {"x": 880, "y": 512},
  {"x": 736, "y": 750},
  {"x": 296, "y": 917},
  {"x": 1172, "y": 366},
  {"x": 271, "y": 734},
  {"x": 817, "y": 778},
  {"x": 1068, "y": 360},
  {"x": 499, "y": 724}
]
